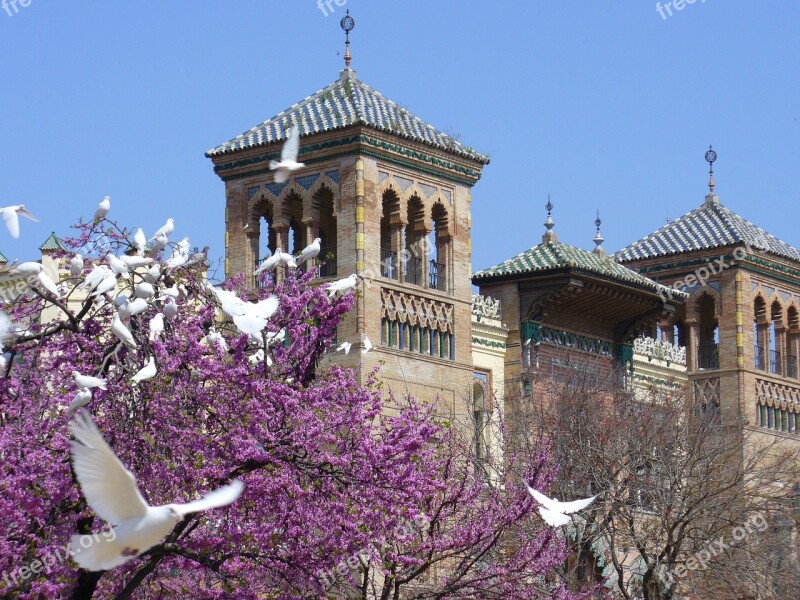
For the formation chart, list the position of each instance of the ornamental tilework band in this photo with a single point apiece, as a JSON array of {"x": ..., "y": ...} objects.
[
  {"x": 416, "y": 310},
  {"x": 306, "y": 181},
  {"x": 276, "y": 188}
]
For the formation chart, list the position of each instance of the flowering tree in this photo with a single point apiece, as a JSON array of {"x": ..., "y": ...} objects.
[{"x": 329, "y": 473}]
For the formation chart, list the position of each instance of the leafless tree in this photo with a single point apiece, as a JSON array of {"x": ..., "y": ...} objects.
[{"x": 687, "y": 507}]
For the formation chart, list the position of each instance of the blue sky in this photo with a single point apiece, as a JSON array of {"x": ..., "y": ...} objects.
[{"x": 603, "y": 105}]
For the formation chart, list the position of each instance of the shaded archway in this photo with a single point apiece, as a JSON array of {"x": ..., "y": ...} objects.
[
  {"x": 391, "y": 235},
  {"x": 777, "y": 338},
  {"x": 792, "y": 342},
  {"x": 708, "y": 332},
  {"x": 760, "y": 332},
  {"x": 415, "y": 247},
  {"x": 439, "y": 247}
]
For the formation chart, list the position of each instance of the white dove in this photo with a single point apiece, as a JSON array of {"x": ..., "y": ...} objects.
[
  {"x": 25, "y": 269},
  {"x": 170, "y": 309},
  {"x": 11, "y": 216},
  {"x": 131, "y": 308},
  {"x": 180, "y": 255},
  {"x": 342, "y": 286},
  {"x": 153, "y": 273},
  {"x": 255, "y": 318},
  {"x": 287, "y": 260},
  {"x": 48, "y": 284},
  {"x": 289, "y": 152},
  {"x": 554, "y": 512},
  {"x": 144, "y": 290},
  {"x": 139, "y": 242},
  {"x": 81, "y": 399},
  {"x": 123, "y": 333},
  {"x": 108, "y": 283},
  {"x": 165, "y": 230},
  {"x": 269, "y": 263},
  {"x": 118, "y": 266},
  {"x": 310, "y": 251},
  {"x": 344, "y": 346},
  {"x": 6, "y": 328},
  {"x": 95, "y": 276},
  {"x": 367, "y": 345},
  {"x": 87, "y": 381},
  {"x": 111, "y": 490},
  {"x": 215, "y": 338},
  {"x": 276, "y": 338},
  {"x": 76, "y": 266},
  {"x": 102, "y": 209},
  {"x": 156, "y": 327},
  {"x": 134, "y": 262},
  {"x": 159, "y": 243},
  {"x": 256, "y": 357},
  {"x": 232, "y": 305},
  {"x": 147, "y": 372}
]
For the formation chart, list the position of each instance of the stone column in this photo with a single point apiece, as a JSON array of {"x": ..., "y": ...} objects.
[{"x": 692, "y": 345}]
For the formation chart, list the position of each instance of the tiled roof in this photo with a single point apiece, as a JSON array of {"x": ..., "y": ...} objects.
[
  {"x": 551, "y": 256},
  {"x": 3, "y": 258},
  {"x": 346, "y": 102},
  {"x": 710, "y": 226},
  {"x": 52, "y": 243}
]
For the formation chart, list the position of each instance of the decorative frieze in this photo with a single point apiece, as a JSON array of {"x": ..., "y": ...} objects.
[
  {"x": 486, "y": 307},
  {"x": 416, "y": 310},
  {"x": 672, "y": 353},
  {"x": 777, "y": 395},
  {"x": 706, "y": 391}
]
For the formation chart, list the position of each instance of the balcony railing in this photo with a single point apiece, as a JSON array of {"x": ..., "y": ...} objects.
[
  {"x": 414, "y": 270},
  {"x": 708, "y": 356},
  {"x": 389, "y": 264},
  {"x": 775, "y": 362},
  {"x": 791, "y": 366},
  {"x": 437, "y": 276},
  {"x": 760, "y": 358}
]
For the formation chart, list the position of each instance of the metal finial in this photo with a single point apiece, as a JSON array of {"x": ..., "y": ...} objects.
[
  {"x": 347, "y": 24},
  {"x": 598, "y": 238},
  {"x": 711, "y": 156},
  {"x": 549, "y": 235}
]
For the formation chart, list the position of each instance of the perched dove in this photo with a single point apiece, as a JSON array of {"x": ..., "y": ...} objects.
[
  {"x": 25, "y": 269},
  {"x": 123, "y": 333},
  {"x": 342, "y": 286},
  {"x": 144, "y": 290},
  {"x": 131, "y": 308},
  {"x": 256, "y": 357},
  {"x": 108, "y": 283},
  {"x": 170, "y": 309},
  {"x": 95, "y": 276},
  {"x": 158, "y": 243},
  {"x": 255, "y": 318},
  {"x": 310, "y": 251},
  {"x": 76, "y": 266},
  {"x": 102, "y": 209},
  {"x": 215, "y": 338},
  {"x": 48, "y": 284},
  {"x": 147, "y": 372},
  {"x": 180, "y": 255},
  {"x": 286, "y": 260},
  {"x": 554, "y": 512},
  {"x": 134, "y": 262},
  {"x": 87, "y": 381},
  {"x": 81, "y": 399},
  {"x": 367, "y": 345},
  {"x": 165, "y": 231},
  {"x": 11, "y": 216},
  {"x": 153, "y": 273},
  {"x": 156, "y": 327},
  {"x": 269, "y": 263},
  {"x": 118, "y": 266},
  {"x": 111, "y": 491},
  {"x": 139, "y": 242},
  {"x": 289, "y": 152}
]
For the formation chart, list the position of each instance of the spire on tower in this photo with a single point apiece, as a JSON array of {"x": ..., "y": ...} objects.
[
  {"x": 549, "y": 235},
  {"x": 598, "y": 238},
  {"x": 347, "y": 24},
  {"x": 711, "y": 156}
]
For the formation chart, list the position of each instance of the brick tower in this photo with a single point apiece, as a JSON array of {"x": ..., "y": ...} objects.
[{"x": 389, "y": 197}]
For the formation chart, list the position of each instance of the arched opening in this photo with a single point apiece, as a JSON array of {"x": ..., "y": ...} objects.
[
  {"x": 792, "y": 342},
  {"x": 708, "y": 342},
  {"x": 480, "y": 419},
  {"x": 325, "y": 225},
  {"x": 760, "y": 333},
  {"x": 415, "y": 250},
  {"x": 293, "y": 217},
  {"x": 391, "y": 233},
  {"x": 262, "y": 234},
  {"x": 777, "y": 339},
  {"x": 439, "y": 246}
]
